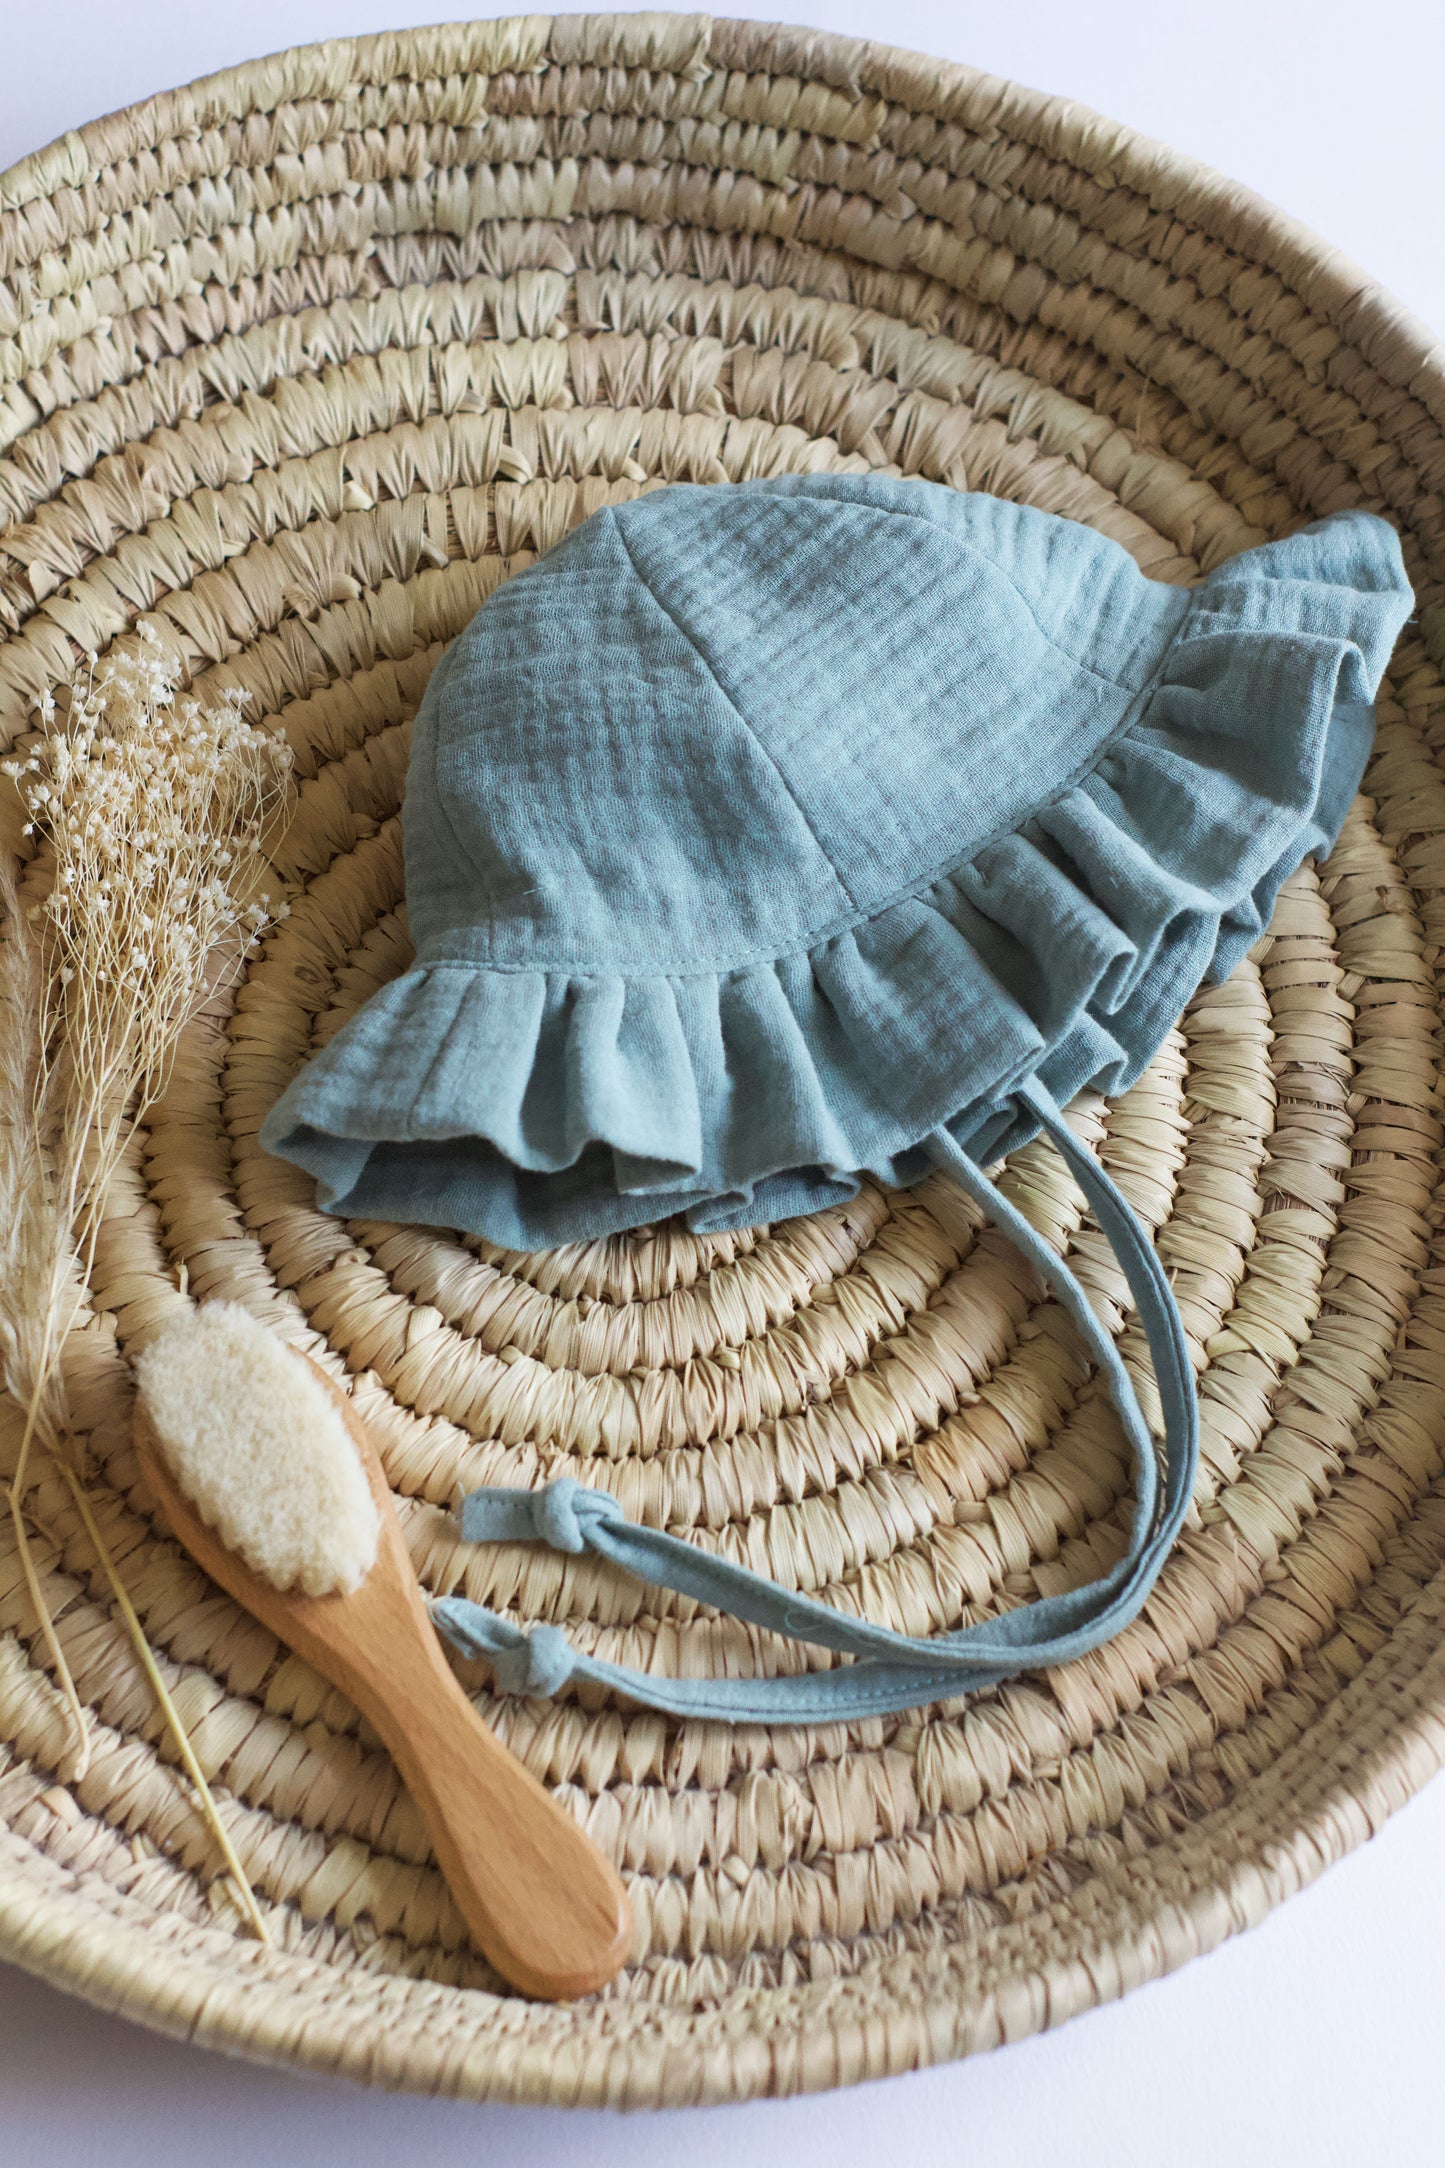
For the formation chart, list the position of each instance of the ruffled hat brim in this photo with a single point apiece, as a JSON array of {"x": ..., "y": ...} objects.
[{"x": 536, "y": 1108}]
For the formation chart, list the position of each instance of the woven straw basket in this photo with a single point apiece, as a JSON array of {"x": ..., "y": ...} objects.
[{"x": 297, "y": 365}]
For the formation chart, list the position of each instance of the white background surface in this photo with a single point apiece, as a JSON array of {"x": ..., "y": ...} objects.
[{"x": 1316, "y": 2040}]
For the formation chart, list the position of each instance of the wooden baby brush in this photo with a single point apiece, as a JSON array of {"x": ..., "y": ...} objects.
[{"x": 268, "y": 1477}]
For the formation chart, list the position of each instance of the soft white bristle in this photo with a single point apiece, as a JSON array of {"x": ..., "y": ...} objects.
[{"x": 260, "y": 1448}]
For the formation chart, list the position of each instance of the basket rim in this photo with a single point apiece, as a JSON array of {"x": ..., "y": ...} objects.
[
  {"x": 109, "y": 1961},
  {"x": 1290, "y": 1846},
  {"x": 1409, "y": 352}
]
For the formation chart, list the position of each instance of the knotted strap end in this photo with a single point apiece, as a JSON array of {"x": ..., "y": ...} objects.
[
  {"x": 534, "y": 1663},
  {"x": 564, "y": 1515}
]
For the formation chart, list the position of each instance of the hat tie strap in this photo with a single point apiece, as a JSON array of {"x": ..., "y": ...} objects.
[{"x": 891, "y": 1671}]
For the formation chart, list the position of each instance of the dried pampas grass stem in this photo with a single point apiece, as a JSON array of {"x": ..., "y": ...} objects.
[
  {"x": 151, "y": 816},
  {"x": 168, "y": 1708}
]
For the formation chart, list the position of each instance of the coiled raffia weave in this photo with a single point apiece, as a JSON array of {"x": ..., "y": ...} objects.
[{"x": 297, "y": 365}]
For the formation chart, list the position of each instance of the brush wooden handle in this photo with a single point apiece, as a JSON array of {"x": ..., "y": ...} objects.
[{"x": 541, "y": 1901}]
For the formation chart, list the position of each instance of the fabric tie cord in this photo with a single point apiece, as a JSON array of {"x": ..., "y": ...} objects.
[
  {"x": 765, "y": 838},
  {"x": 890, "y": 1671}
]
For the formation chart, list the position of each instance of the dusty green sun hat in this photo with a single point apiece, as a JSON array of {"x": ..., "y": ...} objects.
[
  {"x": 756, "y": 832},
  {"x": 761, "y": 837}
]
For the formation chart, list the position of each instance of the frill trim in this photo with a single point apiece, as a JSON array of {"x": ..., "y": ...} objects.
[{"x": 542, "y": 1107}]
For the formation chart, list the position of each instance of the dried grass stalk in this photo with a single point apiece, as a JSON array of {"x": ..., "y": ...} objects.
[{"x": 152, "y": 816}]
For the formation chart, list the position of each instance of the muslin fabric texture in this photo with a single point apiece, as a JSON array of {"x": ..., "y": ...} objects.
[
  {"x": 757, "y": 831},
  {"x": 762, "y": 836}
]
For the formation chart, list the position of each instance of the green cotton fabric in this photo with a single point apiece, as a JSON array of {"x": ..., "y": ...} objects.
[
  {"x": 764, "y": 836},
  {"x": 757, "y": 831}
]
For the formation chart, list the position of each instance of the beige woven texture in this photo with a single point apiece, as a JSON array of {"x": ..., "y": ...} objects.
[{"x": 299, "y": 364}]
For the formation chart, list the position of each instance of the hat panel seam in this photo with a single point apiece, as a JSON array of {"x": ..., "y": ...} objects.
[
  {"x": 684, "y": 633},
  {"x": 433, "y": 726},
  {"x": 816, "y": 937},
  {"x": 972, "y": 548}
]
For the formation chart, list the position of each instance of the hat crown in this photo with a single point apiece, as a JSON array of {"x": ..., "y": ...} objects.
[{"x": 716, "y": 724}]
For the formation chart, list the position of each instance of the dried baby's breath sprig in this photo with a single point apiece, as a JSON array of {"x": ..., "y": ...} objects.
[
  {"x": 156, "y": 813},
  {"x": 151, "y": 815}
]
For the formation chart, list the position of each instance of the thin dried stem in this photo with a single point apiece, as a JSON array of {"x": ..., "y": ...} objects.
[
  {"x": 79, "y": 1760},
  {"x": 152, "y": 818},
  {"x": 32, "y": 1247},
  {"x": 161, "y": 1691}
]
